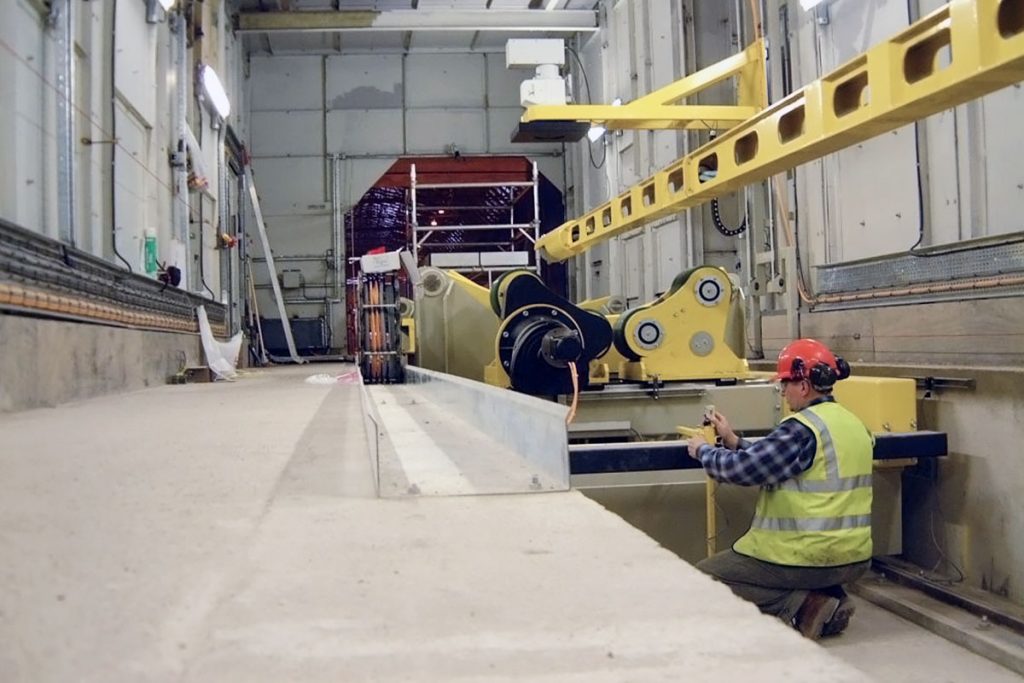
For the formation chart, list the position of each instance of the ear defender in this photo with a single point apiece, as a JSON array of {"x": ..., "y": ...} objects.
[
  {"x": 843, "y": 368},
  {"x": 822, "y": 376}
]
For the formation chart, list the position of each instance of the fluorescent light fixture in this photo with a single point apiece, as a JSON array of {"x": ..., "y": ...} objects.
[
  {"x": 551, "y": 4},
  {"x": 808, "y": 5},
  {"x": 214, "y": 90},
  {"x": 167, "y": 4}
]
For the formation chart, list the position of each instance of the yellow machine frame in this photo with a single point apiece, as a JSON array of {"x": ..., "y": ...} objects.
[{"x": 898, "y": 81}]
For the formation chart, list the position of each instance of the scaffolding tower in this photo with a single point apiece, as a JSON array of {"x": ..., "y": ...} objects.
[{"x": 472, "y": 227}]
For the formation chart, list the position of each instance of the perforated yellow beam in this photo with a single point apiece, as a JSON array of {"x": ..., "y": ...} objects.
[
  {"x": 958, "y": 53},
  {"x": 660, "y": 109}
]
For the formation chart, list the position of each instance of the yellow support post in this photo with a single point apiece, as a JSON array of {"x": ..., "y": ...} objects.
[
  {"x": 710, "y": 487},
  {"x": 957, "y": 53}
]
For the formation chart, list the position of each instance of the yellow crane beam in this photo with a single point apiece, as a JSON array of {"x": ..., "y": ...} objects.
[
  {"x": 964, "y": 50},
  {"x": 661, "y": 109}
]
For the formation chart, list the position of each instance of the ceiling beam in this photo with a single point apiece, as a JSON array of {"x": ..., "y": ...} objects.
[{"x": 561, "y": 21}]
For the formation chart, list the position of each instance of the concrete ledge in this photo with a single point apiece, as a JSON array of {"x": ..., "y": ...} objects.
[
  {"x": 991, "y": 641},
  {"x": 49, "y": 362}
]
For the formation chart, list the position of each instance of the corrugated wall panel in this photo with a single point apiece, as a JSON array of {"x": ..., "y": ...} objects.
[
  {"x": 1004, "y": 150},
  {"x": 365, "y": 131},
  {"x": 286, "y": 83},
  {"x": 287, "y": 133},
  {"x": 445, "y": 80},
  {"x": 431, "y": 131},
  {"x": 364, "y": 82},
  {"x": 290, "y": 185}
]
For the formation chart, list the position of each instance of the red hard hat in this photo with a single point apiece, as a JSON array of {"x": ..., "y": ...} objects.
[{"x": 811, "y": 360}]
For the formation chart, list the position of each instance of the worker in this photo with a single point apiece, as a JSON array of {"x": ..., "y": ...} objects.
[{"x": 811, "y": 531}]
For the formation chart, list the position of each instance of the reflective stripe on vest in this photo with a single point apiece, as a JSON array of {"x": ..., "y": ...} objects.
[
  {"x": 812, "y": 524},
  {"x": 833, "y": 483}
]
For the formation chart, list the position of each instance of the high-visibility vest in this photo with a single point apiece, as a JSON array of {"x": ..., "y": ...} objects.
[{"x": 821, "y": 518}]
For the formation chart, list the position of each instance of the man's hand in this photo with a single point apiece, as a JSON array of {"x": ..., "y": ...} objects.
[
  {"x": 693, "y": 445},
  {"x": 729, "y": 438}
]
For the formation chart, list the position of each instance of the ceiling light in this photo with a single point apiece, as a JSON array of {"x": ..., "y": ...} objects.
[
  {"x": 595, "y": 133},
  {"x": 167, "y": 5},
  {"x": 214, "y": 90},
  {"x": 809, "y": 4},
  {"x": 551, "y": 4}
]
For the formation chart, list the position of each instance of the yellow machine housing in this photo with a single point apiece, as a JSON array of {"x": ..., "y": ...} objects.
[{"x": 693, "y": 331}]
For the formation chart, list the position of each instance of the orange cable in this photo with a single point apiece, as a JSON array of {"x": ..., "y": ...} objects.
[{"x": 575, "y": 393}]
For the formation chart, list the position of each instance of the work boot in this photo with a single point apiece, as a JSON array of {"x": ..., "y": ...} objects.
[
  {"x": 840, "y": 620},
  {"x": 816, "y": 611}
]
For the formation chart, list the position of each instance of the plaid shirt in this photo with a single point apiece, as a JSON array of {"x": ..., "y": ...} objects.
[{"x": 785, "y": 453}]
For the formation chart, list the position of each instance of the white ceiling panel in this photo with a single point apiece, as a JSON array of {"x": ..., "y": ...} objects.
[
  {"x": 299, "y": 43},
  {"x": 441, "y": 40},
  {"x": 370, "y": 41},
  {"x": 458, "y": 4}
]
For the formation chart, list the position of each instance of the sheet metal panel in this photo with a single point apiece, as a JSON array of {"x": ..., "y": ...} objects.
[
  {"x": 443, "y": 435},
  {"x": 287, "y": 186},
  {"x": 431, "y": 131},
  {"x": 365, "y": 131},
  {"x": 364, "y": 82},
  {"x": 1004, "y": 149},
  {"x": 503, "y": 84},
  {"x": 286, "y": 83},
  {"x": 134, "y": 60},
  {"x": 444, "y": 80},
  {"x": 287, "y": 133}
]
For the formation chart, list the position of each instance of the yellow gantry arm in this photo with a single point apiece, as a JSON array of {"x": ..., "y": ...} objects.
[
  {"x": 661, "y": 110},
  {"x": 958, "y": 53}
]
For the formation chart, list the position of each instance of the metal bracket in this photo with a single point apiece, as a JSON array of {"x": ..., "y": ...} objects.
[{"x": 930, "y": 384}]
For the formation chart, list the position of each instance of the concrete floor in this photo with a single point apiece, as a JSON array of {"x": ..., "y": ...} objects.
[
  {"x": 891, "y": 648},
  {"x": 229, "y": 532}
]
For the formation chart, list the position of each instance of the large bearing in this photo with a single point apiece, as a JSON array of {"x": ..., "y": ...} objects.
[
  {"x": 648, "y": 334},
  {"x": 709, "y": 290}
]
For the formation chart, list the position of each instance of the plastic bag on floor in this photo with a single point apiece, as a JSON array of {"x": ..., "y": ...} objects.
[
  {"x": 351, "y": 377},
  {"x": 221, "y": 357}
]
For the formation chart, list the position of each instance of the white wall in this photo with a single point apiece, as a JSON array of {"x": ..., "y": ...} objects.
[
  {"x": 972, "y": 179},
  {"x": 644, "y": 45},
  {"x": 372, "y": 108},
  {"x": 140, "y": 120}
]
